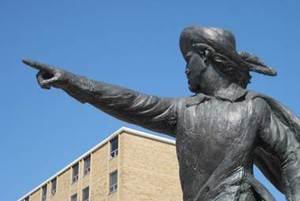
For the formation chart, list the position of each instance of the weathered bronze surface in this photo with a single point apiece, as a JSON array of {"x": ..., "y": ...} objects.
[{"x": 221, "y": 131}]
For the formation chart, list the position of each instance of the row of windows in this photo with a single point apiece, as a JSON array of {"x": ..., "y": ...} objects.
[
  {"x": 113, "y": 186},
  {"x": 114, "y": 144},
  {"x": 75, "y": 173},
  {"x": 113, "y": 177}
]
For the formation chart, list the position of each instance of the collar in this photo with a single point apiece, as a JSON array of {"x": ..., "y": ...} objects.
[{"x": 231, "y": 93}]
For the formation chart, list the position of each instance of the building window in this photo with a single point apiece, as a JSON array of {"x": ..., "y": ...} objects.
[
  {"x": 74, "y": 197},
  {"x": 26, "y": 199},
  {"x": 75, "y": 172},
  {"x": 114, "y": 147},
  {"x": 44, "y": 193},
  {"x": 113, "y": 181},
  {"x": 53, "y": 186},
  {"x": 87, "y": 165},
  {"x": 85, "y": 194}
]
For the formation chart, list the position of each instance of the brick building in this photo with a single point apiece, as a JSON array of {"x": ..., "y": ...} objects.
[{"x": 127, "y": 166}]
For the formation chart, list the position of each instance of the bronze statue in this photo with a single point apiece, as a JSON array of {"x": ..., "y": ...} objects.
[{"x": 221, "y": 131}]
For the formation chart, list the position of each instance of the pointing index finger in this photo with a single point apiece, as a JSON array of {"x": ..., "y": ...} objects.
[{"x": 37, "y": 65}]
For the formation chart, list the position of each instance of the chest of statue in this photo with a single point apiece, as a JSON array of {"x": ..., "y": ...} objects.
[{"x": 210, "y": 127}]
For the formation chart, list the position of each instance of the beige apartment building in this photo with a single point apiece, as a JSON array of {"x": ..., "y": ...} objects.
[{"x": 129, "y": 165}]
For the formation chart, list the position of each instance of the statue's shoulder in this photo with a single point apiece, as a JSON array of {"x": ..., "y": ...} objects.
[
  {"x": 260, "y": 102},
  {"x": 253, "y": 95}
]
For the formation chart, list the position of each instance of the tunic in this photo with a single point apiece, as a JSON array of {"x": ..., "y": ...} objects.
[{"x": 217, "y": 137}]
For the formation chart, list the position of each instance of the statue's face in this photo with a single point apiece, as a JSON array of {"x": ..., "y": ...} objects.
[{"x": 195, "y": 71}]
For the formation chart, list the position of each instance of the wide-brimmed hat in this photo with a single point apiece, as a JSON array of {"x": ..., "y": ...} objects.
[{"x": 222, "y": 43}]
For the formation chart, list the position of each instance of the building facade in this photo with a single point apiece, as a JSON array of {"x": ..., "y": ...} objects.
[{"x": 127, "y": 166}]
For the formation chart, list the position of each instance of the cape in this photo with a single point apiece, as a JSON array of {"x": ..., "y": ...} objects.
[{"x": 279, "y": 172}]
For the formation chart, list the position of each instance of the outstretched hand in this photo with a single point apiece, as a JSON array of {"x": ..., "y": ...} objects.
[{"x": 48, "y": 76}]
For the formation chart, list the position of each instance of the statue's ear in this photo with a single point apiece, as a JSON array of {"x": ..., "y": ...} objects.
[{"x": 207, "y": 54}]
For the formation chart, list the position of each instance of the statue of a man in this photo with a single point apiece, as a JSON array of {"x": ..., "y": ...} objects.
[{"x": 221, "y": 131}]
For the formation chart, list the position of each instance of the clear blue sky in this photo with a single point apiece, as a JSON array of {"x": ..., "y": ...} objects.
[{"x": 130, "y": 43}]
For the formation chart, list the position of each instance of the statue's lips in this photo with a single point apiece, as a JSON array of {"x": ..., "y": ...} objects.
[{"x": 188, "y": 81}]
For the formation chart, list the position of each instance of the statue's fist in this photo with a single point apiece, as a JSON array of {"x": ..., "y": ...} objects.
[
  {"x": 49, "y": 76},
  {"x": 47, "y": 79}
]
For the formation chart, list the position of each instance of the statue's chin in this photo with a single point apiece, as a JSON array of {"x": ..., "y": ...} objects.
[{"x": 194, "y": 89}]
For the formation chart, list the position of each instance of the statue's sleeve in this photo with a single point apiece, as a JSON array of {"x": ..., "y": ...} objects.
[
  {"x": 281, "y": 145},
  {"x": 152, "y": 112}
]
